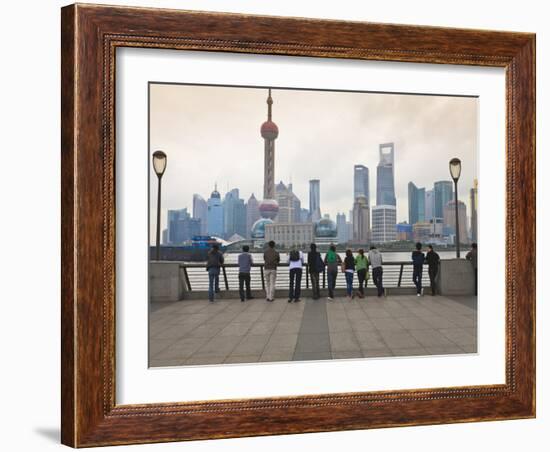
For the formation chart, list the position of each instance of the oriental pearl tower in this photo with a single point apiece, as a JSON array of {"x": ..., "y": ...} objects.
[{"x": 269, "y": 130}]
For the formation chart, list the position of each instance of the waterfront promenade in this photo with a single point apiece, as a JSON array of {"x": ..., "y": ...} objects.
[{"x": 196, "y": 332}]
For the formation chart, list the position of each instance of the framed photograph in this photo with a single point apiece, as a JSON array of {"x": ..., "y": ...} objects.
[{"x": 281, "y": 225}]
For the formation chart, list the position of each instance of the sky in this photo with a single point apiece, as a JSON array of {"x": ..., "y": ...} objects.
[{"x": 211, "y": 134}]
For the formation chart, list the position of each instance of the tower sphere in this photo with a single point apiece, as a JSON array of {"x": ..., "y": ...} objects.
[
  {"x": 269, "y": 208},
  {"x": 258, "y": 228},
  {"x": 269, "y": 130},
  {"x": 326, "y": 228}
]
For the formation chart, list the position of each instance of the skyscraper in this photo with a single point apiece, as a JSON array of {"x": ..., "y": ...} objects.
[
  {"x": 361, "y": 182},
  {"x": 449, "y": 219},
  {"x": 214, "y": 221},
  {"x": 342, "y": 228},
  {"x": 289, "y": 204},
  {"x": 429, "y": 205},
  {"x": 361, "y": 220},
  {"x": 200, "y": 211},
  {"x": 385, "y": 188},
  {"x": 417, "y": 201},
  {"x": 181, "y": 227},
  {"x": 384, "y": 224},
  {"x": 473, "y": 211},
  {"x": 252, "y": 213},
  {"x": 443, "y": 193},
  {"x": 234, "y": 214},
  {"x": 315, "y": 199}
]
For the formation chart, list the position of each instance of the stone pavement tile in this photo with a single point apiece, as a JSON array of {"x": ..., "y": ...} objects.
[
  {"x": 350, "y": 354},
  {"x": 419, "y": 311},
  {"x": 287, "y": 327},
  {"x": 437, "y": 321},
  {"x": 247, "y": 316},
  {"x": 400, "y": 339},
  {"x": 311, "y": 356},
  {"x": 344, "y": 342},
  {"x": 204, "y": 360},
  {"x": 362, "y": 325},
  {"x": 206, "y": 330},
  {"x": 191, "y": 318},
  {"x": 313, "y": 343},
  {"x": 377, "y": 313},
  {"x": 236, "y": 329},
  {"x": 218, "y": 346},
  {"x": 172, "y": 332},
  {"x": 281, "y": 344},
  {"x": 223, "y": 317},
  {"x": 185, "y": 347},
  {"x": 370, "y": 340},
  {"x": 270, "y": 316},
  {"x": 431, "y": 338},
  {"x": 471, "y": 348},
  {"x": 236, "y": 359},
  {"x": 413, "y": 323},
  {"x": 274, "y": 357},
  {"x": 169, "y": 355},
  {"x": 417, "y": 351},
  {"x": 158, "y": 345},
  {"x": 262, "y": 328},
  {"x": 387, "y": 324},
  {"x": 459, "y": 336},
  {"x": 166, "y": 362},
  {"x": 339, "y": 326},
  {"x": 462, "y": 321},
  {"x": 251, "y": 345},
  {"x": 445, "y": 350},
  {"x": 377, "y": 353}
]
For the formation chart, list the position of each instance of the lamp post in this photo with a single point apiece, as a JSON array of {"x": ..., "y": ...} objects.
[
  {"x": 455, "y": 167},
  {"x": 159, "y": 165}
]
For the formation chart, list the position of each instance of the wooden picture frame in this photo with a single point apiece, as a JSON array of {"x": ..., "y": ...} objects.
[{"x": 90, "y": 36}]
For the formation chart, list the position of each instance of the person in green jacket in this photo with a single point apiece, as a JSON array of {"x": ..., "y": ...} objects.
[
  {"x": 332, "y": 261},
  {"x": 362, "y": 268}
]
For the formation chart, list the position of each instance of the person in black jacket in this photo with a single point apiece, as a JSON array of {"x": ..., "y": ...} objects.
[
  {"x": 418, "y": 262},
  {"x": 213, "y": 265},
  {"x": 315, "y": 266},
  {"x": 432, "y": 259}
]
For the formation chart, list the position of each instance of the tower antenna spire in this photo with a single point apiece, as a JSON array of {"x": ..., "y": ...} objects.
[{"x": 269, "y": 104}]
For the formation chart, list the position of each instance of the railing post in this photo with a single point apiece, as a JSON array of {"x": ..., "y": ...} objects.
[
  {"x": 400, "y": 275},
  {"x": 225, "y": 278},
  {"x": 307, "y": 277},
  {"x": 187, "y": 280},
  {"x": 324, "y": 278},
  {"x": 262, "y": 273}
]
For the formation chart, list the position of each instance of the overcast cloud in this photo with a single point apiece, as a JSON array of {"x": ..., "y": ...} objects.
[{"x": 212, "y": 134}]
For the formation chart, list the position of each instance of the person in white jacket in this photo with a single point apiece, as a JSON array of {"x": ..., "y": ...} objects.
[{"x": 375, "y": 259}]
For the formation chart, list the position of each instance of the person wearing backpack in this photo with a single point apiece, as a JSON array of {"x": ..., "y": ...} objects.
[
  {"x": 375, "y": 260},
  {"x": 271, "y": 262},
  {"x": 332, "y": 261},
  {"x": 362, "y": 268},
  {"x": 418, "y": 263},
  {"x": 295, "y": 262},
  {"x": 213, "y": 265},
  {"x": 348, "y": 268},
  {"x": 315, "y": 266},
  {"x": 245, "y": 262}
]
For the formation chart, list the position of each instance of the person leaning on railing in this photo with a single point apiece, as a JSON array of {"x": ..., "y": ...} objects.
[
  {"x": 432, "y": 259},
  {"x": 272, "y": 259},
  {"x": 375, "y": 259},
  {"x": 332, "y": 261},
  {"x": 315, "y": 266},
  {"x": 213, "y": 265},
  {"x": 245, "y": 261},
  {"x": 362, "y": 268}
]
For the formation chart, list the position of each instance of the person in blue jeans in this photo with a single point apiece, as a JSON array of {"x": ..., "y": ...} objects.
[
  {"x": 349, "y": 270},
  {"x": 418, "y": 263},
  {"x": 213, "y": 265}
]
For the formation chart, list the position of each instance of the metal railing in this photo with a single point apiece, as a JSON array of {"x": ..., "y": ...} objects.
[{"x": 395, "y": 274}]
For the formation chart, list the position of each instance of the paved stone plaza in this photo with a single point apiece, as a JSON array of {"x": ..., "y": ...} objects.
[{"x": 196, "y": 332}]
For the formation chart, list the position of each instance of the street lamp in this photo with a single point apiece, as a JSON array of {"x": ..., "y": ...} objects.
[
  {"x": 455, "y": 167},
  {"x": 159, "y": 165}
]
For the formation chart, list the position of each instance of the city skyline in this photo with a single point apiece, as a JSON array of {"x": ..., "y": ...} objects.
[{"x": 336, "y": 192}]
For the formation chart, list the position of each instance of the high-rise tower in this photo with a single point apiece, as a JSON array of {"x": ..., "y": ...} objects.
[
  {"x": 269, "y": 130},
  {"x": 385, "y": 189}
]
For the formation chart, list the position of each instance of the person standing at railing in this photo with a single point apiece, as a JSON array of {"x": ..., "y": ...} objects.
[
  {"x": 418, "y": 264},
  {"x": 472, "y": 257},
  {"x": 271, "y": 261},
  {"x": 245, "y": 265},
  {"x": 362, "y": 268},
  {"x": 375, "y": 259},
  {"x": 315, "y": 266},
  {"x": 332, "y": 261},
  {"x": 295, "y": 263},
  {"x": 432, "y": 259},
  {"x": 213, "y": 265},
  {"x": 348, "y": 267}
]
